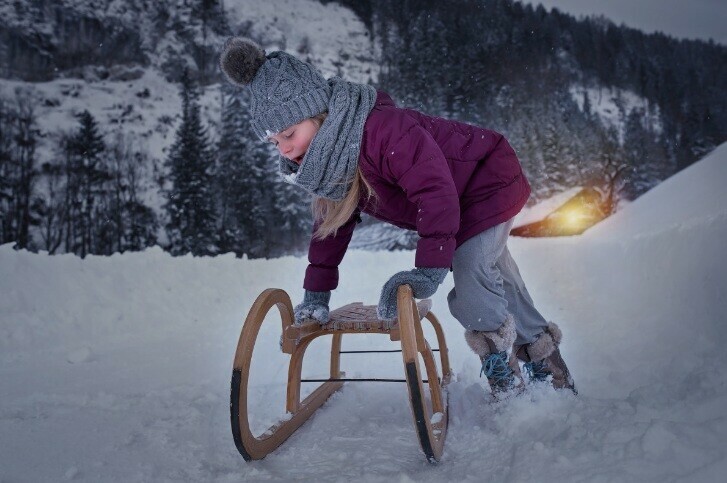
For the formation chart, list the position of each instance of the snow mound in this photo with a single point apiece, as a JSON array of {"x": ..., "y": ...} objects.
[{"x": 696, "y": 193}]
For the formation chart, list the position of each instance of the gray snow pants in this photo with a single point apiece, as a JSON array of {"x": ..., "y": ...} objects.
[{"x": 488, "y": 285}]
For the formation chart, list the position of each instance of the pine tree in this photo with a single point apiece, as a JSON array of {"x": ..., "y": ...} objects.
[
  {"x": 190, "y": 198},
  {"x": 7, "y": 174},
  {"x": 586, "y": 104},
  {"x": 240, "y": 179},
  {"x": 87, "y": 180},
  {"x": 292, "y": 219},
  {"x": 51, "y": 208},
  {"x": 90, "y": 202},
  {"x": 18, "y": 173},
  {"x": 212, "y": 16},
  {"x": 260, "y": 214},
  {"x": 644, "y": 155},
  {"x": 26, "y": 138},
  {"x": 135, "y": 224},
  {"x": 609, "y": 173}
]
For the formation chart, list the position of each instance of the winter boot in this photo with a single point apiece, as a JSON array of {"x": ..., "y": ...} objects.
[
  {"x": 542, "y": 359},
  {"x": 499, "y": 363}
]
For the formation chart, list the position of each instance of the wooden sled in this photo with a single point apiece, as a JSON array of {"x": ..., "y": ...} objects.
[{"x": 430, "y": 416}]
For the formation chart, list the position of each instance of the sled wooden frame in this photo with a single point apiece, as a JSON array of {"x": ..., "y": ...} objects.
[{"x": 351, "y": 319}]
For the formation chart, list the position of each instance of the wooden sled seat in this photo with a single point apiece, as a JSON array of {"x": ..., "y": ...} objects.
[
  {"x": 357, "y": 316},
  {"x": 351, "y": 318},
  {"x": 430, "y": 416}
]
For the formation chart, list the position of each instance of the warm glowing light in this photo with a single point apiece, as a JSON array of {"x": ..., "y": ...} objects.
[{"x": 572, "y": 218}]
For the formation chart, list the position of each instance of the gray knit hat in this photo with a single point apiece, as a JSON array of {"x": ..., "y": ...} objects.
[{"x": 285, "y": 90}]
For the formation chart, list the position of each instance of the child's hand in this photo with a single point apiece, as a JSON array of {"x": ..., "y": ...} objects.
[
  {"x": 423, "y": 282},
  {"x": 314, "y": 306}
]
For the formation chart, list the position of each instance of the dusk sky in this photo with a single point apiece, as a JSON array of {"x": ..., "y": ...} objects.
[{"x": 702, "y": 19}]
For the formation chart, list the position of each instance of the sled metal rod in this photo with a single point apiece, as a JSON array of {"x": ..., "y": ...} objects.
[
  {"x": 366, "y": 352},
  {"x": 357, "y": 380}
]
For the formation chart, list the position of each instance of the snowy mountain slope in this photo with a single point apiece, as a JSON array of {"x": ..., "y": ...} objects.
[
  {"x": 84, "y": 37},
  {"x": 145, "y": 110},
  {"x": 330, "y": 36},
  {"x": 117, "y": 368},
  {"x": 143, "y": 104},
  {"x": 612, "y": 106},
  {"x": 147, "y": 107}
]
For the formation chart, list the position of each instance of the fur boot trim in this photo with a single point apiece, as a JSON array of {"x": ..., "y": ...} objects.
[
  {"x": 555, "y": 333},
  {"x": 545, "y": 344},
  {"x": 501, "y": 339}
]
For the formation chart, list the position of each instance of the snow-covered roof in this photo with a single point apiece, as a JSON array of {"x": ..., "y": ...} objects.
[{"x": 542, "y": 209}]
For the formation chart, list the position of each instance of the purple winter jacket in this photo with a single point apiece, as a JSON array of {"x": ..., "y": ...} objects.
[{"x": 447, "y": 180}]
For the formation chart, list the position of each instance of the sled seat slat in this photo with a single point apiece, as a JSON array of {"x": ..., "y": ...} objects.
[{"x": 355, "y": 317}]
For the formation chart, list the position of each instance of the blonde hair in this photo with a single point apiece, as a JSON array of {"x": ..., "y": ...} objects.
[
  {"x": 334, "y": 214},
  {"x": 319, "y": 118}
]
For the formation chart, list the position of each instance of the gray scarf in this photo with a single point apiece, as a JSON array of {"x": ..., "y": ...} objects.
[{"x": 329, "y": 165}]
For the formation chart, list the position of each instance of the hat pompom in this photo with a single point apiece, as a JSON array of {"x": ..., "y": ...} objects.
[{"x": 240, "y": 60}]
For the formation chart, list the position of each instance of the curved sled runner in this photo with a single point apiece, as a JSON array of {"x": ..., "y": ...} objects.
[{"x": 430, "y": 414}]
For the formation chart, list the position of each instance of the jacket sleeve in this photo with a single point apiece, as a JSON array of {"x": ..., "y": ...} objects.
[
  {"x": 418, "y": 166},
  {"x": 324, "y": 256}
]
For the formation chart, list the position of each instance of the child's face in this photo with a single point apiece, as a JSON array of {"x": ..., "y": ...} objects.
[{"x": 293, "y": 141}]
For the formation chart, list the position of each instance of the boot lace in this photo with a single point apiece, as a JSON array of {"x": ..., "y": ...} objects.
[
  {"x": 537, "y": 370},
  {"x": 497, "y": 371}
]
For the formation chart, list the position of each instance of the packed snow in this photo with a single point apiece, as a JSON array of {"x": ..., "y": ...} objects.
[{"x": 118, "y": 368}]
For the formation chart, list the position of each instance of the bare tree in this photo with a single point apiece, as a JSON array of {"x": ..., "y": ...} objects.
[
  {"x": 51, "y": 209},
  {"x": 608, "y": 173},
  {"x": 18, "y": 139},
  {"x": 135, "y": 222},
  {"x": 26, "y": 136}
]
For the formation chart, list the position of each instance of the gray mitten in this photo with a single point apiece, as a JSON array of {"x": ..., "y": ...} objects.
[
  {"x": 423, "y": 281},
  {"x": 314, "y": 306}
]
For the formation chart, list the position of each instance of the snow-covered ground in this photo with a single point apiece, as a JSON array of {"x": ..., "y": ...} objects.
[{"x": 117, "y": 368}]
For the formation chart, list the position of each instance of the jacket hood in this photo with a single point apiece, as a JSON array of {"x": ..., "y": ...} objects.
[{"x": 384, "y": 99}]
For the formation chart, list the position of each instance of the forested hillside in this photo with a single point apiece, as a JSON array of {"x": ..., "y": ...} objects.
[{"x": 117, "y": 131}]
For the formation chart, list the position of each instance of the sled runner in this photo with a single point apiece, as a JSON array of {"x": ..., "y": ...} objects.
[{"x": 430, "y": 414}]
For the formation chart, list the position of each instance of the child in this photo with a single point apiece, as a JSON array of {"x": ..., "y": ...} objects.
[{"x": 458, "y": 185}]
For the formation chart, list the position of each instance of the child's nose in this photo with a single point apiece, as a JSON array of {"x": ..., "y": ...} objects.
[{"x": 285, "y": 148}]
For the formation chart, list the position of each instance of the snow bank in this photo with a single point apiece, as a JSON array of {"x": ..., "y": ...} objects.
[{"x": 692, "y": 197}]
